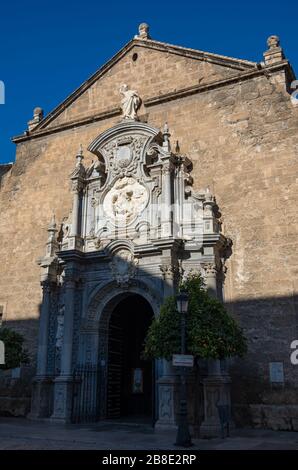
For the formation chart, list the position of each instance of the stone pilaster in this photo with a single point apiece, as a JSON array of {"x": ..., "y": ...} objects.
[
  {"x": 66, "y": 359},
  {"x": 169, "y": 274},
  {"x": 75, "y": 211},
  {"x": 64, "y": 383},
  {"x": 77, "y": 180},
  {"x": 44, "y": 330},
  {"x": 62, "y": 399},
  {"x": 216, "y": 386},
  {"x": 167, "y": 398},
  {"x": 166, "y": 222},
  {"x": 42, "y": 384},
  {"x": 167, "y": 185},
  {"x": 216, "y": 392},
  {"x": 42, "y": 397},
  {"x": 210, "y": 277}
]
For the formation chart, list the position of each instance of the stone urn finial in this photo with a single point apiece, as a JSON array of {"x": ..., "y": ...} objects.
[
  {"x": 274, "y": 54},
  {"x": 272, "y": 42},
  {"x": 37, "y": 117}
]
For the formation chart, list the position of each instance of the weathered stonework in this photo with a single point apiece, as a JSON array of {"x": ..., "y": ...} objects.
[{"x": 235, "y": 122}]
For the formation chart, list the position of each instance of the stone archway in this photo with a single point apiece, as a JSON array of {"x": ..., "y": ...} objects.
[
  {"x": 130, "y": 384},
  {"x": 95, "y": 328}
]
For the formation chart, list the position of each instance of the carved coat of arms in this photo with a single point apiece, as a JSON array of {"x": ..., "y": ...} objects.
[{"x": 123, "y": 266}]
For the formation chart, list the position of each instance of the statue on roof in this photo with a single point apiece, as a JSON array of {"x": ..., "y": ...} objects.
[{"x": 130, "y": 103}]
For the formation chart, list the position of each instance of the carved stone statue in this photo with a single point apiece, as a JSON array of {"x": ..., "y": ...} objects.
[
  {"x": 130, "y": 103},
  {"x": 143, "y": 32}
]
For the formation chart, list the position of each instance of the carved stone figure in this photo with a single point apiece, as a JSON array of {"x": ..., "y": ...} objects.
[
  {"x": 130, "y": 103},
  {"x": 125, "y": 200},
  {"x": 143, "y": 32}
]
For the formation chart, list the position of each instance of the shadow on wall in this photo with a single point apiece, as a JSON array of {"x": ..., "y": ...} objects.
[
  {"x": 265, "y": 379},
  {"x": 15, "y": 384},
  {"x": 270, "y": 325}
]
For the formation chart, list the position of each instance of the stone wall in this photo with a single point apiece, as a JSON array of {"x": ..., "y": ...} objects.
[
  {"x": 242, "y": 138},
  {"x": 15, "y": 391}
]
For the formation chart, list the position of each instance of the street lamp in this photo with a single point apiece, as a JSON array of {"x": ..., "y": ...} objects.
[{"x": 183, "y": 438}]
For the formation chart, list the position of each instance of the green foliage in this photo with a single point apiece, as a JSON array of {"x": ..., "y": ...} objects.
[
  {"x": 211, "y": 331},
  {"x": 15, "y": 354}
]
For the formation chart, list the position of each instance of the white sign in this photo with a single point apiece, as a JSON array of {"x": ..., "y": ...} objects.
[
  {"x": 276, "y": 370},
  {"x": 2, "y": 92},
  {"x": 183, "y": 360},
  {"x": 294, "y": 355},
  {"x": 2, "y": 353}
]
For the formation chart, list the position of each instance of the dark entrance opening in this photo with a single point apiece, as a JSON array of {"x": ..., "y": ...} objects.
[{"x": 130, "y": 386}]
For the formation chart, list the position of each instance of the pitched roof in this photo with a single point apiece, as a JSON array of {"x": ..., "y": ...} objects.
[{"x": 237, "y": 64}]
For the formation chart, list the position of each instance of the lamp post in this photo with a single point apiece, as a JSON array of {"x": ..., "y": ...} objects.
[{"x": 183, "y": 438}]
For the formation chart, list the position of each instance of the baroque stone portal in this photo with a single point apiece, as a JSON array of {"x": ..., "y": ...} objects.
[{"x": 136, "y": 227}]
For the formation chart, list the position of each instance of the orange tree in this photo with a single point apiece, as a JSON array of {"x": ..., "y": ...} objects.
[
  {"x": 210, "y": 331},
  {"x": 15, "y": 353}
]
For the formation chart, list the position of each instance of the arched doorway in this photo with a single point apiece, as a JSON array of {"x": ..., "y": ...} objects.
[{"x": 130, "y": 378}]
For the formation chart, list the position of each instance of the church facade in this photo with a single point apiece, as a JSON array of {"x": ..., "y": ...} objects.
[{"x": 167, "y": 161}]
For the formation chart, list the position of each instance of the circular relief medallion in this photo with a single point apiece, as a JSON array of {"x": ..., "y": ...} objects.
[{"x": 125, "y": 201}]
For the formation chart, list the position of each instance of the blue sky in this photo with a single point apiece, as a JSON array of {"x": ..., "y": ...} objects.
[{"x": 48, "y": 48}]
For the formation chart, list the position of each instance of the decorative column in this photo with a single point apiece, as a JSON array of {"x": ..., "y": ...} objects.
[
  {"x": 168, "y": 383},
  {"x": 64, "y": 383},
  {"x": 169, "y": 272},
  {"x": 43, "y": 330},
  {"x": 42, "y": 383},
  {"x": 75, "y": 209},
  {"x": 168, "y": 397},
  {"x": 167, "y": 209},
  {"x": 216, "y": 392},
  {"x": 66, "y": 358},
  {"x": 77, "y": 179},
  {"x": 211, "y": 278}
]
